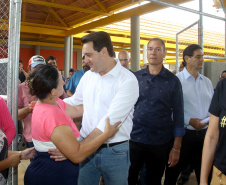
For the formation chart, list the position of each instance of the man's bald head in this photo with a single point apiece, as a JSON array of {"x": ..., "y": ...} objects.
[{"x": 124, "y": 58}]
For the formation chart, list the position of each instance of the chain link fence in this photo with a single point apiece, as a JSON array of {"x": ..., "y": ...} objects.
[
  {"x": 10, "y": 17},
  {"x": 4, "y": 27}
]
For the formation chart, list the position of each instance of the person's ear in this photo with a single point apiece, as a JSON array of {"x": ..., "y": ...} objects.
[
  {"x": 53, "y": 92},
  {"x": 186, "y": 58},
  {"x": 104, "y": 50}
]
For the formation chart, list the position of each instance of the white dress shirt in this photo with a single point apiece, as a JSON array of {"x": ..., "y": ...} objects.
[
  {"x": 112, "y": 95},
  {"x": 197, "y": 96}
]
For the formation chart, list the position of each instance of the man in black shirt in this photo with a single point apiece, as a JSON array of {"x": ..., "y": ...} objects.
[{"x": 156, "y": 135}]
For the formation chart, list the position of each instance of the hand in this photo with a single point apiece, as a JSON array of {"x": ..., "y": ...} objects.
[
  {"x": 56, "y": 154},
  {"x": 28, "y": 153},
  {"x": 196, "y": 123},
  {"x": 173, "y": 157},
  {"x": 110, "y": 130},
  {"x": 14, "y": 160},
  {"x": 32, "y": 105}
]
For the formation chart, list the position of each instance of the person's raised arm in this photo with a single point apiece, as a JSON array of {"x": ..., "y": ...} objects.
[{"x": 68, "y": 145}]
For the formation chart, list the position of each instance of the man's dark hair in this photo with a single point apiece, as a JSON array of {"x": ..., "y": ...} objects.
[
  {"x": 42, "y": 80},
  {"x": 72, "y": 70},
  {"x": 160, "y": 40},
  {"x": 189, "y": 51},
  {"x": 100, "y": 40},
  {"x": 223, "y": 72},
  {"x": 20, "y": 61},
  {"x": 50, "y": 58}
]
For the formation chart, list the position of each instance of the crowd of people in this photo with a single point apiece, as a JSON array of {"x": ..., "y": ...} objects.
[{"x": 113, "y": 124}]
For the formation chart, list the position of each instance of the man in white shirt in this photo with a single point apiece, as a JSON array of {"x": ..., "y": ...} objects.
[
  {"x": 197, "y": 95},
  {"x": 107, "y": 90}
]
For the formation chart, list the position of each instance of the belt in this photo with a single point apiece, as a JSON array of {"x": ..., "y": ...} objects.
[
  {"x": 111, "y": 144},
  {"x": 196, "y": 131}
]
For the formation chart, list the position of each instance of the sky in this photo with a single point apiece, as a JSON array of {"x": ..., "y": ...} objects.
[{"x": 178, "y": 16}]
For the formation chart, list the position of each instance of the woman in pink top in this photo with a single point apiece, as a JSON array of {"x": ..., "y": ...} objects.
[
  {"x": 6, "y": 122},
  {"x": 7, "y": 133},
  {"x": 52, "y": 127}
]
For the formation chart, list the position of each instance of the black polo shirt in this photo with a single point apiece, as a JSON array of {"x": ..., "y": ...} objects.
[{"x": 218, "y": 108}]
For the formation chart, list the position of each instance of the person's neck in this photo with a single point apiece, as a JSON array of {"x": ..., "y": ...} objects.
[
  {"x": 110, "y": 64},
  {"x": 48, "y": 100},
  {"x": 154, "y": 69},
  {"x": 193, "y": 72}
]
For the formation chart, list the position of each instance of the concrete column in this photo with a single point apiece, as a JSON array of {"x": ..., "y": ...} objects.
[
  {"x": 37, "y": 50},
  {"x": 71, "y": 54},
  {"x": 79, "y": 59},
  {"x": 135, "y": 43},
  {"x": 145, "y": 59},
  {"x": 67, "y": 55}
]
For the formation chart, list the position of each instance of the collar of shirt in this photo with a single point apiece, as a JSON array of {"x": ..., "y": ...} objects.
[
  {"x": 115, "y": 71},
  {"x": 163, "y": 72},
  {"x": 187, "y": 74}
]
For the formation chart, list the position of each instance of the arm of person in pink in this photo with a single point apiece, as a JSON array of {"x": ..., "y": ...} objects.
[{"x": 6, "y": 122}]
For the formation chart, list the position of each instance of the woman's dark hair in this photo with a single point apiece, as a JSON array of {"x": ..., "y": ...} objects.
[
  {"x": 100, "y": 40},
  {"x": 42, "y": 80}
]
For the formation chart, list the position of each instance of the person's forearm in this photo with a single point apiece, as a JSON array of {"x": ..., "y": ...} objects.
[
  {"x": 177, "y": 143},
  {"x": 96, "y": 132},
  {"x": 23, "y": 112},
  {"x": 87, "y": 148},
  {"x": 79, "y": 151},
  {"x": 207, "y": 158},
  {"x": 12, "y": 152}
]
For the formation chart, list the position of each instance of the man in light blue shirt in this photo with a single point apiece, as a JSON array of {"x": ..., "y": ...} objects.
[
  {"x": 75, "y": 79},
  {"x": 197, "y": 95}
]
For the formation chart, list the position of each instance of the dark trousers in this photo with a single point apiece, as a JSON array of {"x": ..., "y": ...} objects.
[
  {"x": 154, "y": 157},
  {"x": 191, "y": 153},
  {"x": 185, "y": 174}
]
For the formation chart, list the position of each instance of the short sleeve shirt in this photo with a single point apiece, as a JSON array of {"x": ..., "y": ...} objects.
[
  {"x": 24, "y": 98},
  {"x": 45, "y": 118},
  {"x": 218, "y": 108}
]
